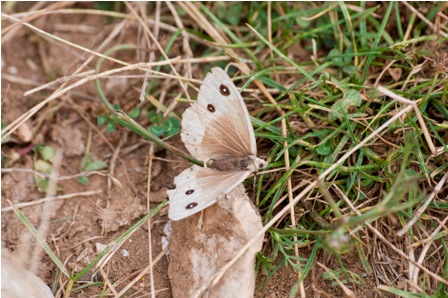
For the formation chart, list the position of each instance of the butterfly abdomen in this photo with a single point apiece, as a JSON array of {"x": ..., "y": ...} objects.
[{"x": 234, "y": 163}]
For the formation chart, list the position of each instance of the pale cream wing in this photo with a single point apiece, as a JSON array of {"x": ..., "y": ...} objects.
[
  {"x": 198, "y": 188},
  {"x": 218, "y": 125}
]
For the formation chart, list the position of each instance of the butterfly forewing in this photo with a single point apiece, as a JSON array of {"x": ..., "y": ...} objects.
[
  {"x": 198, "y": 188},
  {"x": 218, "y": 125}
]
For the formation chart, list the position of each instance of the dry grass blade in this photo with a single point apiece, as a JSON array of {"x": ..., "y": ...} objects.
[
  {"x": 417, "y": 112},
  {"x": 422, "y": 17},
  {"x": 159, "y": 47},
  {"x": 9, "y": 31},
  {"x": 425, "y": 205},
  {"x": 346, "y": 290},
  {"x": 144, "y": 272},
  {"x": 55, "y": 198},
  {"x": 14, "y": 125}
]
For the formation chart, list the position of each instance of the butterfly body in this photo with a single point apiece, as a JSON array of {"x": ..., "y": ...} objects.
[
  {"x": 248, "y": 163},
  {"x": 217, "y": 130}
]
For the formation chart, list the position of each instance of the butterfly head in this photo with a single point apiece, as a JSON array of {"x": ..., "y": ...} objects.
[{"x": 259, "y": 163}]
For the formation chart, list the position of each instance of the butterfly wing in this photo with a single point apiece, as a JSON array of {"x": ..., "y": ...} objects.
[
  {"x": 198, "y": 188},
  {"x": 218, "y": 125}
]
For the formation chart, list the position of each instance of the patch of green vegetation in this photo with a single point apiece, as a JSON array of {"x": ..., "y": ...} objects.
[{"x": 43, "y": 162}]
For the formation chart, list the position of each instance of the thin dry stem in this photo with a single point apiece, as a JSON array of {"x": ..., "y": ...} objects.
[
  {"x": 417, "y": 112},
  {"x": 159, "y": 47},
  {"x": 108, "y": 283},
  {"x": 425, "y": 20},
  {"x": 53, "y": 198},
  {"x": 148, "y": 208},
  {"x": 185, "y": 38},
  {"x": 425, "y": 249},
  {"x": 425, "y": 205},
  {"x": 64, "y": 41},
  {"x": 9, "y": 31},
  {"x": 346, "y": 290},
  {"x": 16, "y": 123},
  {"x": 144, "y": 272},
  {"x": 106, "y": 258}
]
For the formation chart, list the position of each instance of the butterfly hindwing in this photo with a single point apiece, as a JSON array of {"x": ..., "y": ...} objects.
[
  {"x": 218, "y": 125},
  {"x": 198, "y": 188}
]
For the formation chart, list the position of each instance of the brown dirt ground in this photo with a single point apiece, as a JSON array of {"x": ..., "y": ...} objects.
[{"x": 80, "y": 223}]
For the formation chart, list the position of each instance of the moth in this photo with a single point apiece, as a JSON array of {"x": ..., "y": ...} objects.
[{"x": 216, "y": 129}]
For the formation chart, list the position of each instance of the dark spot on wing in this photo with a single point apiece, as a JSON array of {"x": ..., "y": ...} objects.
[
  {"x": 224, "y": 90},
  {"x": 211, "y": 108},
  {"x": 191, "y": 205}
]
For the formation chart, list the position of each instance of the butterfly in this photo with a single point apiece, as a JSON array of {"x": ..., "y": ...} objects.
[{"x": 216, "y": 129}]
